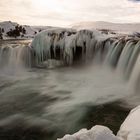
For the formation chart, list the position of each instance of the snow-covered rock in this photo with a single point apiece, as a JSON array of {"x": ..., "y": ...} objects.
[
  {"x": 130, "y": 129},
  {"x": 95, "y": 133}
]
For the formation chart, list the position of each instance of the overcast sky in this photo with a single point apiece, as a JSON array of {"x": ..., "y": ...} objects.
[{"x": 66, "y": 12}]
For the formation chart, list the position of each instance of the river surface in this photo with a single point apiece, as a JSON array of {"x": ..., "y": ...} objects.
[{"x": 39, "y": 104}]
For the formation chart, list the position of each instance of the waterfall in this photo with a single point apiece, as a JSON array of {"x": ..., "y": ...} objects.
[
  {"x": 14, "y": 58},
  {"x": 125, "y": 55},
  {"x": 68, "y": 46},
  {"x": 133, "y": 58}
]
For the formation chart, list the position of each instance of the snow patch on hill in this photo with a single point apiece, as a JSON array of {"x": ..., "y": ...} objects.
[{"x": 31, "y": 31}]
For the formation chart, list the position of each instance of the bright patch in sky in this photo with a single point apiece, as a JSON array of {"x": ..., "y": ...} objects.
[{"x": 66, "y": 12}]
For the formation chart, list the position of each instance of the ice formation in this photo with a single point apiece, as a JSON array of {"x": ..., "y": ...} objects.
[
  {"x": 64, "y": 44},
  {"x": 69, "y": 44}
]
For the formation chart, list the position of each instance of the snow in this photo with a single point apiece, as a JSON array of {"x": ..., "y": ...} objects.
[
  {"x": 130, "y": 129},
  {"x": 7, "y": 25},
  {"x": 95, "y": 133},
  {"x": 117, "y": 27},
  {"x": 30, "y": 30}
]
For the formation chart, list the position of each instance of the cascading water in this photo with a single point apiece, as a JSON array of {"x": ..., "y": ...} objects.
[
  {"x": 63, "y": 100},
  {"x": 14, "y": 58}
]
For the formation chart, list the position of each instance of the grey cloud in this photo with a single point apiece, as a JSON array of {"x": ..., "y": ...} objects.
[{"x": 135, "y": 0}]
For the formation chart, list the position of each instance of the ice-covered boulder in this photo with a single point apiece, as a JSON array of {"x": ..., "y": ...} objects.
[
  {"x": 95, "y": 133},
  {"x": 130, "y": 129}
]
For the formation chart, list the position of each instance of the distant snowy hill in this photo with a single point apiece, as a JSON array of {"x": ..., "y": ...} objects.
[
  {"x": 118, "y": 27},
  {"x": 30, "y": 31},
  {"x": 7, "y": 25}
]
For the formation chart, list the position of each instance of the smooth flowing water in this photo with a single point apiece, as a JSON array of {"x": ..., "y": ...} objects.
[{"x": 48, "y": 103}]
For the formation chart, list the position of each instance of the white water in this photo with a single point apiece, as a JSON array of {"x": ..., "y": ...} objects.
[{"x": 14, "y": 58}]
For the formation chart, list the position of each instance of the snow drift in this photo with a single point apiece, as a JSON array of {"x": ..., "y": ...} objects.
[
  {"x": 130, "y": 129},
  {"x": 95, "y": 133},
  {"x": 117, "y": 27}
]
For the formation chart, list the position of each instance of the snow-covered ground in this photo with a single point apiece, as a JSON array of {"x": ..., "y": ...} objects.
[
  {"x": 95, "y": 133},
  {"x": 116, "y": 27},
  {"x": 129, "y": 130},
  {"x": 31, "y": 31}
]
